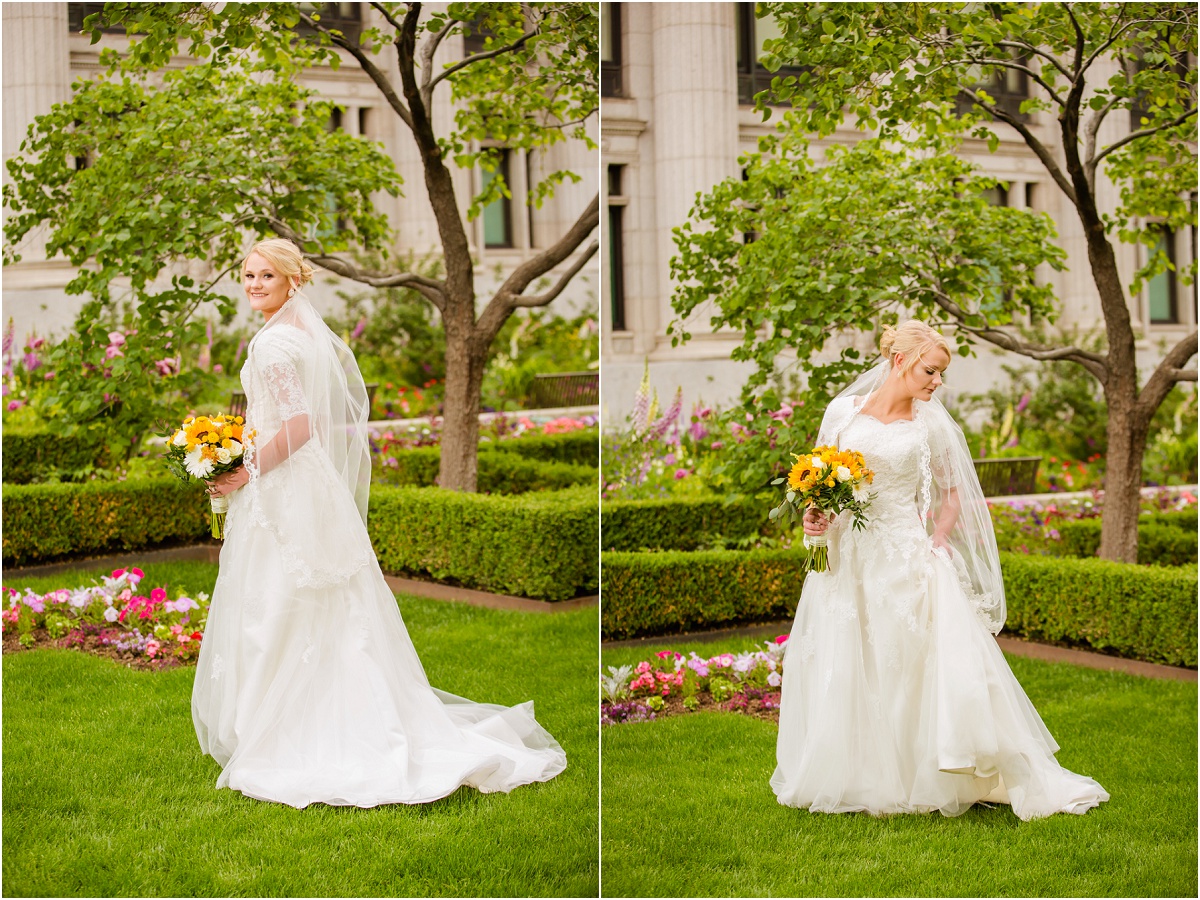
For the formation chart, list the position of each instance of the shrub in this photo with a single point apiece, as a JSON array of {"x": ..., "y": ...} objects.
[
  {"x": 1136, "y": 611},
  {"x": 499, "y": 473},
  {"x": 31, "y": 454},
  {"x": 1182, "y": 518},
  {"x": 581, "y": 448},
  {"x": 1160, "y": 543},
  {"x": 43, "y": 522},
  {"x": 677, "y": 523},
  {"x": 539, "y": 545},
  {"x": 658, "y": 593}
]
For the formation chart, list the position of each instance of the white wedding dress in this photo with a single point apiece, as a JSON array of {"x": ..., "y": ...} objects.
[
  {"x": 308, "y": 688},
  {"x": 896, "y": 697}
]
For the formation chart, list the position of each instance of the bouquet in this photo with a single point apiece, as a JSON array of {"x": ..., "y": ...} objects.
[
  {"x": 832, "y": 481},
  {"x": 204, "y": 447}
]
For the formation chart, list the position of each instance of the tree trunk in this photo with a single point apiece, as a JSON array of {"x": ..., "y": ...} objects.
[
  {"x": 460, "y": 425},
  {"x": 1127, "y": 430}
]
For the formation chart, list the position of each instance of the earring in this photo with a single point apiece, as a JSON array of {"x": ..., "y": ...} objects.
[{"x": 291, "y": 292}]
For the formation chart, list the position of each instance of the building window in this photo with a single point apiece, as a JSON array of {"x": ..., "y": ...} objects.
[
  {"x": 753, "y": 77},
  {"x": 610, "y": 50},
  {"x": 343, "y": 17},
  {"x": 364, "y": 122},
  {"x": 1160, "y": 289},
  {"x": 1008, "y": 89},
  {"x": 994, "y": 297},
  {"x": 77, "y": 12},
  {"x": 497, "y": 215},
  {"x": 616, "y": 248}
]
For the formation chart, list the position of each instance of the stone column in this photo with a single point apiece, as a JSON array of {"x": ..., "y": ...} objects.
[
  {"x": 36, "y": 76},
  {"x": 695, "y": 125}
]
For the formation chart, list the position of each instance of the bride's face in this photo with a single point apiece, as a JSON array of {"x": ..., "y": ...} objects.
[
  {"x": 926, "y": 376},
  {"x": 265, "y": 288}
]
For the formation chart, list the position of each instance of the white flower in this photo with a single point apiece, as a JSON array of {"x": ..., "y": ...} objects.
[
  {"x": 860, "y": 493},
  {"x": 817, "y": 462},
  {"x": 110, "y": 614},
  {"x": 843, "y": 474},
  {"x": 774, "y": 679},
  {"x": 180, "y": 439},
  {"x": 224, "y": 457},
  {"x": 196, "y": 464},
  {"x": 235, "y": 449}
]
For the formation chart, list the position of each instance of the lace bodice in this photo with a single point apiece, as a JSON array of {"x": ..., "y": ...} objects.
[{"x": 897, "y": 453}]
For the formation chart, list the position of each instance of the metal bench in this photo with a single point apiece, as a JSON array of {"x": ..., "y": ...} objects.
[
  {"x": 565, "y": 389},
  {"x": 1005, "y": 476},
  {"x": 237, "y": 402}
]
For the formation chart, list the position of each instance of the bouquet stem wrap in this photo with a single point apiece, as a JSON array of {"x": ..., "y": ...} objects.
[
  {"x": 818, "y": 553},
  {"x": 219, "y": 507}
]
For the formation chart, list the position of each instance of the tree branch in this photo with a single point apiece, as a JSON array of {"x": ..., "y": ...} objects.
[
  {"x": 428, "y": 49},
  {"x": 1080, "y": 43},
  {"x": 1031, "y": 141},
  {"x": 508, "y": 297},
  {"x": 543, "y": 299},
  {"x": 382, "y": 10},
  {"x": 1036, "y": 51},
  {"x": 479, "y": 57},
  {"x": 1141, "y": 133},
  {"x": 1167, "y": 374},
  {"x": 431, "y": 289},
  {"x": 1089, "y": 136},
  {"x": 1093, "y": 362},
  {"x": 368, "y": 66},
  {"x": 1017, "y": 67}
]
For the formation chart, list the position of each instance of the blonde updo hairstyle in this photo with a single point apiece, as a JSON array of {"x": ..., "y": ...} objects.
[
  {"x": 912, "y": 339},
  {"x": 287, "y": 260}
]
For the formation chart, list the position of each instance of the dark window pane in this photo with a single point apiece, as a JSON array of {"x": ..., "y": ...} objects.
[
  {"x": 610, "y": 50},
  {"x": 497, "y": 215},
  {"x": 1161, "y": 288}
]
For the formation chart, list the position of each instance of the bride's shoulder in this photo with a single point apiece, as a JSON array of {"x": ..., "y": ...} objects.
[{"x": 282, "y": 342}]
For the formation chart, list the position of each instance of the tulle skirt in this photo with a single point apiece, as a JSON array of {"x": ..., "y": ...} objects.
[
  {"x": 896, "y": 698},
  {"x": 316, "y": 694}
]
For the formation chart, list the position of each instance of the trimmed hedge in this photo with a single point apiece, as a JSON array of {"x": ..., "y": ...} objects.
[
  {"x": 498, "y": 473},
  {"x": 660, "y": 593},
  {"x": 540, "y": 545},
  {"x": 1181, "y": 518},
  {"x": 677, "y": 523},
  {"x": 31, "y": 453},
  {"x": 580, "y": 448},
  {"x": 1137, "y": 611},
  {"x": 43, "y": 522},
  {"x": 1159, "y": 543}
]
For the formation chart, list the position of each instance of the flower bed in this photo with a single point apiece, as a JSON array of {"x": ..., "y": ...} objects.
[
  {"x": 112, "y": 618},
  {"x": 742, "y": 682}
]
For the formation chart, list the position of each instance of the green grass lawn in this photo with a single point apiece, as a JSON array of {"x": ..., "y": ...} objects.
[
  {"x": 688, "y": 810},
  {"x": 106, "y": 792}
]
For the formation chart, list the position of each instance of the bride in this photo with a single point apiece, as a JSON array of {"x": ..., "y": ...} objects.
[
  {"x": 896, "y": 697},
  {"x": 308, "y": 688}
]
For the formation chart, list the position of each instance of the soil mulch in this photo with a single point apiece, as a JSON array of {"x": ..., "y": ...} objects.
[
  {"x": 90, "y": 643},
  {"x": 741, "y": 703}
]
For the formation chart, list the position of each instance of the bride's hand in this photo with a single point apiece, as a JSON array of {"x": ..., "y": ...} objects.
[
  {"x": 940, "y": 543},
  {"x": 815, "y": 522},
  {"x": 229, "y": 482}
]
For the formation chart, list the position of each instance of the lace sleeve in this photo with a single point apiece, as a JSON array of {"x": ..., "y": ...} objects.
[{"x": 283, "y": 381}]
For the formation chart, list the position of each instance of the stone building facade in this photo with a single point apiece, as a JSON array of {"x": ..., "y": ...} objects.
[
  {"x": 677, "y": 112},
  {"x": 44, "y": 53}
]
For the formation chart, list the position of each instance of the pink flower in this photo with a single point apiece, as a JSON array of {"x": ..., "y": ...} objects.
[
  {"x": 116, "y": 338},
  {"x": 152, "y": 647},
  {"x": 117, "y": 573},
  {"x": 49, "y": 376},
  {"x": 136, "y": 574},
  {"x": 643, "y": 667},
  {"x": 158, "y": 595},
  {"x": 14, "y": 405},
  {"x": 781, "y": 639},
  {"x": 681, "y": 473}
]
